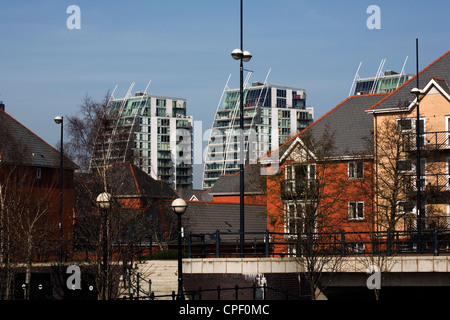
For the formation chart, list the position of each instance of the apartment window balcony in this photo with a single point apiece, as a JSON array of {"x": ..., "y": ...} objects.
[
  {"x": 429, "y": 183},
  {"x": 299, "y": 189},
  {"x": 430, "y": 141}
]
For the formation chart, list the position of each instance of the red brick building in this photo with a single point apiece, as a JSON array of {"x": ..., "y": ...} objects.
[
  {"x": 29, "y": 180},
  {"x": 330, "y": 163}
]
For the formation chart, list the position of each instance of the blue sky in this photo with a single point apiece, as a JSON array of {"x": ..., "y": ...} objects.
[{"x": 184, "y": 48}]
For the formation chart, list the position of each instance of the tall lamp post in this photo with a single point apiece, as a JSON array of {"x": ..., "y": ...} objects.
[
  {"x": 104, "y": 203},
  {"x": 179, "y": 207},
  {"x": 419, "y": 94},
  {"x": 243, "y": 56},
  {"x": 59, "y": 120}
]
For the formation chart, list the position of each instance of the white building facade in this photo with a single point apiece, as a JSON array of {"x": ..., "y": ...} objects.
[{"x": 272, "y": 115}]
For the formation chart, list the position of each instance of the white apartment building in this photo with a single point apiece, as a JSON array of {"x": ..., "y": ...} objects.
[{"x": 272, "y": 115}]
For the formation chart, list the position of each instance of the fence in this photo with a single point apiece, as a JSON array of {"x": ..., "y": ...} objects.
[
  {"x": 439, "y": 140},
  {"x": 272, "y": 244},
  {"x": 253, "y": 292}
]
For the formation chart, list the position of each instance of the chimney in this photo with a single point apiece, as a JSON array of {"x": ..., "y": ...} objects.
[{"x": 2, "y": 106}]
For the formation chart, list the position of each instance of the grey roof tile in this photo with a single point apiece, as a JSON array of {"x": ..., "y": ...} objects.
[
  {"x": 207, "y": 217},
  {"x": 230, "y": 184},
  {"x": 21, "y": 146},
  {"x": 351, "y": 128},
  {"x": 439, "y": 69}
]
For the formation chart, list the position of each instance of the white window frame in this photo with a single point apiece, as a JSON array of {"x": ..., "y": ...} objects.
[
  {"x": 289, "y": 218},
  {"x": 423, "y": 176},
  {"x": 407, "y": 160},
  {"x": 447, "y": 129},
  {"x": 352, "y": 169},
  {"x": 413, "y": 128},
  {"x": 400, "y": 207},
  {"x": 356, "y": 216},
  {"x": 357, "y": 247},
  {"x": 447, "y": 170}
]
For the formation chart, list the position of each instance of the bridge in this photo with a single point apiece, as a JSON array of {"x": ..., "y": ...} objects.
[
  {"x": 405, "y": 266},
  {"x": 405, "y": 275}
]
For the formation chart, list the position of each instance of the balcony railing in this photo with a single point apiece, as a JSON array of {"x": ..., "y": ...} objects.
[
  {"x": 430, "y": 183},
  {"x": 432, "y": 141},
  {"x": 298, "y": 189},
  {"x": 274, "y": 244}
]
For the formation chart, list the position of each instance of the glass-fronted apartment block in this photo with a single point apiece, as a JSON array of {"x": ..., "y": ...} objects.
[
  {"x": 389, "y": 82},
  {"x": 154, "y": 133},
  {"x": 272, "y": 115}
]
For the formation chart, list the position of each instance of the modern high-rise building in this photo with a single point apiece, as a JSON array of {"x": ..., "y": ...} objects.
[
  {"x": 272, "y": 115},
  {"x": 154, "y": 133},
  {"x": 386, "y": 83}
]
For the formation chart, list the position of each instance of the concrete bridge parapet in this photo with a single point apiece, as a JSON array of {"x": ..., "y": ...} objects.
[
  {"x": 294, "y": 265},
  {"x": 241, "y": 265}
]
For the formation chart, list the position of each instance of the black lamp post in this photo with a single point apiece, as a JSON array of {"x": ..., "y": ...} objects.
[
  {"x": 179, "y": 207},
  {"x": 243, "y": 56},
  {"x": 59, "y": 120},
  {"x": 104, "y": 204},
  {"x": 418, "y": 94}
]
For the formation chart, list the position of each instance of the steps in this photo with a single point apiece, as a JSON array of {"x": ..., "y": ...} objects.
[{"x": 163, "y": 275}]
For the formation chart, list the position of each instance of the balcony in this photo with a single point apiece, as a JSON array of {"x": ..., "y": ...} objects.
[
  {"x": 431, "y": 184},
  {"x": 299, "y": 189},
  {"x": 429, "y": 141}
]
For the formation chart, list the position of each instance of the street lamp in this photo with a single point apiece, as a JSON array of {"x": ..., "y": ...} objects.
[
  {"x": 179, "y": 207},
  {"x": 419, "y": 94},
  {"x": 104, "y": 200},
  {"x": 104, "y": 203},
  {"x": 242, "y": 56},
  {"x": 59, "y": 120}
]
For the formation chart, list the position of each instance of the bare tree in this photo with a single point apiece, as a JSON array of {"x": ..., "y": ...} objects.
[
  {"x": 392, "y": 188},
  {"x": 31, "y": 206},
  {"x": 310, "y": 211},
  {"x": 84, "y": 129},
  {"x": 26, "y": 206},
  {"x": 113, "y": 235}
]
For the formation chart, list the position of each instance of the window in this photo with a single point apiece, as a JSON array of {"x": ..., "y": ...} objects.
[
  {"x": 356, "y": 210},
  {"x": 281, "y": 93},
  {"x": 300, "y": 172},
  {"x": 160, "y": 102},
  {"x": 405, "y": 165},
  {"x": 405, "y": 207},
  {"x": 281, "y": 103},
  {"x": 356, "y": 170},
  {"x": 408, "y": 126},
  {"x": 423, "y": 180},
  {"x": 447, "y": 182},
  {"x": 300, "y": 181},
  {"x": 356, "y": 247},
  {"x": 296, "y": 220},
  {"x": 291, "y": 218}
]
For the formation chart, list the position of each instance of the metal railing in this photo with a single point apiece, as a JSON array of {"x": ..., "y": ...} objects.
[
  {"x": 432, "y": 183},
  {"x": 251, "y": 292},
  {"x": 439, "y": 140},
  {"x": 272, "y": 244}
]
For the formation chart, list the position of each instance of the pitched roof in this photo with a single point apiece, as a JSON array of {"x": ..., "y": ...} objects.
[
  {"x": 18, "y": 145},
  {"x": 207, "y": 217},
  {"x": 230, "y": 184},
  {"x": 128, "y": 180},
  {"x": 348, "y": 124},
  {"x": 439, "y": 69}
]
